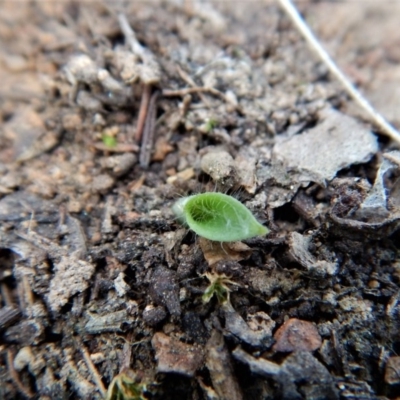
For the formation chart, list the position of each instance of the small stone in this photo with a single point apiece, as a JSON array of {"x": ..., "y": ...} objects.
[
  {"x": 153, "y": 316},
  {"x": 175, "y": 356},
  {"x": 256, "y": 332},
  {"x": 71, "y": 122},
  {"x": 260, "y": 321},
  {"x": 164, "y": 290},
  {"x": 119, "y": 164},
  {"x": 297, "y": 335},
  {"x": 221, "y": 167},
  {"x": 184, "y": 175},
  {"x": 162, "y": 147},
  {"x": 392, "y": 370},
  {"x": 23, "y": 358},
  {"x": 373, "y": 284},
  {"x": 121, "y": 287},
  {"x": 102, "y": 183},
  {"x": 299, "y": 249}
]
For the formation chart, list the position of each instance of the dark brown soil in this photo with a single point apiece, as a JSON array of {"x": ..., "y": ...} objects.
[{"x": 109, "y": 114}]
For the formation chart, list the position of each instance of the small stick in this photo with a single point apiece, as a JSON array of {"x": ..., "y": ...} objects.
[
  {"x": 148, "y": 132},
  {"x": 199, "y": 90},
  {"x": 386, "y": 128},
  {"x": 25, "y": 296},
  {"x": 144, "y": 105},
  {"x": 15, "y": 378},
  {"x": 93, "y": 370},
  {"x": 185, "y": 77},
  {"x": 126, "y": 354},
  {"x": 196, "y": 89},
  {"x": 191, "y": 90},
  {"x": 152, "y": 72},
  {"x": 130, "y": 36},
  {"x": 6, "y": 295},
  {"x": 119, "y": 148},
  {"x": 392, "y": 158}
]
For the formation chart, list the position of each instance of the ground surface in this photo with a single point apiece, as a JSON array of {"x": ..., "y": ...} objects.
[{"x": 100, "y": 285}]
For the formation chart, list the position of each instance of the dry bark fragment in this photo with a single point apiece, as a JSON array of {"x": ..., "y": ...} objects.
[
  {"x": 300, "y": 376},
  {"x": 338, "y": 141},
  {"x": 219, "y": 364},
  {"x": 117, "y": 321},
  {"x": 71, "y": 276},
  {"x": 175, "y": 356},
  {"x": 8, "y": 316},
  {"x": 256, "y": 332},
  {"x": 392, "y": 370}
]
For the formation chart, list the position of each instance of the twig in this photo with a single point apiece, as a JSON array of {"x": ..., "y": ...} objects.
[
  {"x": 6, "y": 295},
  {"x": 386, "y": 128},
  {"x": 126, "y": 354},
  {"x": 150, "y": 71},
  {"x": 25, "y": 296},
  {"x": 143, "y": 110},
  {"x": 184, "y": 92},
  {"x": 130, "y": 36},
  {"x": 15, "y": 378},
  {"x": 185, "y": 77},
  {"x": 199, "y": 90},
  {"x": 95, "y": 375},
  {"x": 8, "y": 316},
  {"x": 148, "y": 132},
  {"x": 196, "y": 89},
  {"x": 119, "y": 148}
]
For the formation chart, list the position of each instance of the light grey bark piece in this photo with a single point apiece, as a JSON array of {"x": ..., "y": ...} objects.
[{"x": 337, "y": 142}]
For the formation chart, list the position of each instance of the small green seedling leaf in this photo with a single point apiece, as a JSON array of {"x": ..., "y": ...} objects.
[
  {"x": 210, "y": 125},
  {"x": 218, "y": 217},
  {"x": 109, "y": 141}
]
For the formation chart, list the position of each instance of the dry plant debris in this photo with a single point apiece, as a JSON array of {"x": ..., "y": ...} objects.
[{"x": 109, "y": 114}]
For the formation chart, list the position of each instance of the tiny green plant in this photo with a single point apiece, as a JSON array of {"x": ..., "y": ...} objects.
[
  {"x": 211, "y": 124},
  {"x": 124, "y": 387},
  {"x": 218, "y": 286},
  {"x": 109, "y": 141},
  {"x": 218, "y": 217}
]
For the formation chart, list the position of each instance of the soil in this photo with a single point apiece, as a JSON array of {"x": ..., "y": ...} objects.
[{"x": 109, "y": 114}]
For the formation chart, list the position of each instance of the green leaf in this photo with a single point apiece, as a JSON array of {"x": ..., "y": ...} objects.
[{"x": 218, "y": 217}]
